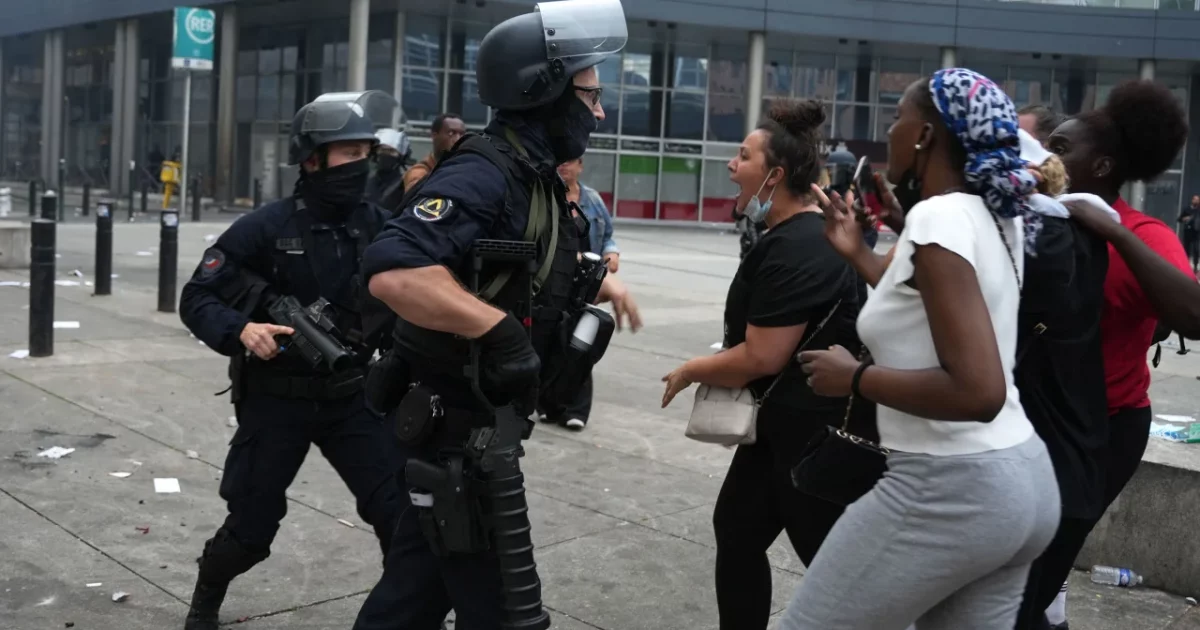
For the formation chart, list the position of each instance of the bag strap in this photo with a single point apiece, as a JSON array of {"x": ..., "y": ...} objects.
[{"x": 799, "y": 349}]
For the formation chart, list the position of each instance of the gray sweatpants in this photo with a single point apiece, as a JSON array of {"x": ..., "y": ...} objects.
[{"x": 942, "y": 541}]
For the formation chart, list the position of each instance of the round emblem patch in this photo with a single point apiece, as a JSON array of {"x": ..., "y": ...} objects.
[{"x": 433, "y": 209}]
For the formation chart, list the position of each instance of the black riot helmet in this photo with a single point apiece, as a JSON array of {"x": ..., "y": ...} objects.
[
  {"x": 528, "y": 61},
  {"x": 338, "y": 117},
  {"x": 840, "y": 163}
]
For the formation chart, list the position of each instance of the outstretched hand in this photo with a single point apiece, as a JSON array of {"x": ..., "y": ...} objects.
[{"x": 842, "y": 228}]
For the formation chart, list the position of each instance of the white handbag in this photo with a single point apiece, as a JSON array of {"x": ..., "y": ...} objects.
[{"x": 728, "y": 416}]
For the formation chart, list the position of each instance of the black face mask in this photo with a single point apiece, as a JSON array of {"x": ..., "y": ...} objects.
[
  {"x": 571, "y": 127},
  {"x": 338, "y": 188},
  {"x": 388, "y": 163}
]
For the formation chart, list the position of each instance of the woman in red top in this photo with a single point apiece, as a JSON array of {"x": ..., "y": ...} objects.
[{"x": 1134, "y": 137}]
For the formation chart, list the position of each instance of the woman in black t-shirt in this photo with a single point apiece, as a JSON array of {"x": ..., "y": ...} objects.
[{"x": 786, "y": 285}]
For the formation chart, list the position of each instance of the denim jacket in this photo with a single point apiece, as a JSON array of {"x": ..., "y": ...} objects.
[{"x": 600, "y": 228}]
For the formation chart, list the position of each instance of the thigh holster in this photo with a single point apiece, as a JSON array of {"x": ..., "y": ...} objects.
[{"x": 448, "y": 505}]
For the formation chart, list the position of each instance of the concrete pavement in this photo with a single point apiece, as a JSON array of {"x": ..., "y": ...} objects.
[{"x": 621, "y": 512}]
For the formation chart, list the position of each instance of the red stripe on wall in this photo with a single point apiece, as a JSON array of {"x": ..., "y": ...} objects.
[
  {"x": 633, "y": 209},
  {"x": 679, "y": 211}
]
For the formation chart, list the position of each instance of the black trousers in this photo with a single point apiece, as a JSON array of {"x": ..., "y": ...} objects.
[
  {"x": 1129, "y": 432},
  {"x": 1191, "y": 245},
  {"x": 580, "y": 407},
  {"x": 272, "y": 440},
  {"x": 757, "y": 502}
]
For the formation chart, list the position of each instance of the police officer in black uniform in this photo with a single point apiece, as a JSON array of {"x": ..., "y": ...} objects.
[
  {"x": 392, "y": 159},
  {"x": 281, "y": 294},
  {"x": 537, "y": 72}
]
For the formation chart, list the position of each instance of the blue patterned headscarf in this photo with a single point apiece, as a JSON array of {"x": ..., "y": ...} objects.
[{"x": 984, "y": 120}]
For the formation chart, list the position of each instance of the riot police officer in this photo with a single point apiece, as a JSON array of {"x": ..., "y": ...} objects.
[
  {"x": 392, "y": 159},
  {"x": 281, "y": 294},
  {"x": 464, "y": 545}
]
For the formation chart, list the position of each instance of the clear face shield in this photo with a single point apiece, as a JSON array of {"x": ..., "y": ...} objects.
[
  {"x": 331, "y": 112},
  {"x": 579, "y": 28}
]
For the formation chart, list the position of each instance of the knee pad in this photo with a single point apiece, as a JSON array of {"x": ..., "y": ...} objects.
[{"x": 226, "y": 558}]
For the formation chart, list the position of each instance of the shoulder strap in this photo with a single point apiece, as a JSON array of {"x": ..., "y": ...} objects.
[{"x": 803, "y": 344}]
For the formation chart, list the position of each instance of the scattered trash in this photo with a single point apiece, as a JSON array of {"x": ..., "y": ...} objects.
[
  {"x": 134, "y": 462},
  {"x": 1190, "y": 600},
  {"x": 209, "y": 239},
  {"x": 67, "y": 283},
  {"x": 120, "y": 596},
  {"x": 1176, "y": 419},
  {"x": 145, "y": 530},
  {"x": 56, "y": 452},
  {"x": 77, "y": 273},
  {"x": 18, "y": 354},
  {"x": 143, "y": 254},
  {"x": 166, "y": 486},
  {"x": 193, "y": 455},
  {"x": 47, "y": 601},
  {"x": 116, "y": 275},
  {"x": 606, "y": 489},
  {"x": 88, "y": 283},
  {"x": 9, "y": 283},
  {"x": 61, "y": 325},
  {"x": 1113, "y": 576},
  {"x": 717, "y": 346},
  {"x": 232, "y": 421},
  {"x": 346, "y": 523},
  {"x": 1188, "y": 433},
  {"x": 94, "y": 584},
  {"x": 69, "y": 624},
  {"x": 119, "y": 475}
]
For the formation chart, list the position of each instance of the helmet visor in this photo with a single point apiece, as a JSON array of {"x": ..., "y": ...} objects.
[
  {"x": 331, "y": 112},
  {"x": 389, "y": 138},
  {"x": 576, "y": 28}
]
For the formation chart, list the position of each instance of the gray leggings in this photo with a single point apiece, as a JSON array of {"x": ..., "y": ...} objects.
[{"x": 942, "y": 541}]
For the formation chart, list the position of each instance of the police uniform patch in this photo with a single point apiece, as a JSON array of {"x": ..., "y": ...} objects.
[
  {"x": 212, "y": 262},
  {"x": 433, "y": 209}
]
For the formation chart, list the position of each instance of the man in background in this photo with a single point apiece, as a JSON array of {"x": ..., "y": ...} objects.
[
  {"x": 1189, "y": 218},
  {"x": 1039, "y": 121},
  {"x": 446, "y": 130}
]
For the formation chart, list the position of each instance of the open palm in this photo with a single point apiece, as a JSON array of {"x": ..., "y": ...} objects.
[{"x": 842, "y": 228}]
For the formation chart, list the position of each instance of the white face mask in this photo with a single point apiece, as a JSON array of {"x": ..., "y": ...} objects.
[{"x": 756, "y": 211}]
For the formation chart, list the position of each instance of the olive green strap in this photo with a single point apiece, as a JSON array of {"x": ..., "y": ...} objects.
[{"x": 533, "y": 229}]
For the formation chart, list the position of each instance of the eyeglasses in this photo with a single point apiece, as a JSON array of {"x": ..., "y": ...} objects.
[{"x": 593, "y": 94}]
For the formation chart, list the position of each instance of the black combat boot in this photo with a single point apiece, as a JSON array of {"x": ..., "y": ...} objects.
[{"x": 206, "y": 603}]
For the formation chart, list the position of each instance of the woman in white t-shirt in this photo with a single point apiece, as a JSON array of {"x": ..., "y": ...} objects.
[{"x": 946, "y": 538}]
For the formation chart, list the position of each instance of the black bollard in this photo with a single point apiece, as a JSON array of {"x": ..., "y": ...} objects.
[
  {"x": 168, "y": 260},
  {"x": 257, "y": 193},
  {"x": 41, "y": 288},
  {"x": 62, "y": 180},
  {"x": 196, "y": 199},
  {"x": 132, "y": 192},
  {"x": 49, "y": 205},
  {"x": 104, "y": 210},
  {"x": 87, "y": 198},
  {"x": 33, "y": 197}
]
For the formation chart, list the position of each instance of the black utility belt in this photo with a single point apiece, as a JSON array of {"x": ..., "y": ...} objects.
[
  {"x": 321, "y": 387},
  {"x": 421, "y": 413}
]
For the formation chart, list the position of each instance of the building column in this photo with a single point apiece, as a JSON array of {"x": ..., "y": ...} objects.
[
  {"x": 131, "y": 105},
  {"x": 1137, "y": 191},
  {"x": 51, "y": 105},
  {"x": 398, "y": 67},
  {"x": 115, "y": 164},
  {"x": 754, "y": 79},
  {"x": 356, "y": 67},
  {"x": 949, "y": 57},
  {"x": 227, "y": 103}
]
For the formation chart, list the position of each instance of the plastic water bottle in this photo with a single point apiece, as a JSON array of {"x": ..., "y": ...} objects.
[{"x": 1113, "y": 576}]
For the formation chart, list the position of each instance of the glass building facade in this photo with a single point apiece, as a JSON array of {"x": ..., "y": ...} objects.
[{"x": 675, "y": 99}]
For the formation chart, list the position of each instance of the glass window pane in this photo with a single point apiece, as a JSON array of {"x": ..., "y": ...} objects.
[
  {"x": 379, "y": 53},
  {"x": 464, "y": 43},
  {"x": 380, "y": 78},
  {"x": 727, "y": 100},
  {"x": 269, "y": 61},
  {"x": 777, "y": 73},
  {"x": 423, "y": 41},
  {"x": 287, "y": 97},
  {"x": 1028, "y": 86},
  {"x": 422, "y": 145},
  {"x": 895, "y": 75},
  {"x": 679, "y": 192},
  {"x": 884, "y": 117},
  {"x": 685, "y": 117},
  {"x": 267, "y": 98},
  {"x": 598, "y": 173},
  {"x": 641, "y": 111},
  {"x": 814, "y": 76},
  {"x": 245, "y": 98},
  {"x": 609, "y": 70},
  {"x": 689, "y": 67},
  {"x": 610, "y": 100},
  {"x": 638, "y": 186},
  {"x": 854, "y": 78},
  {"x": 719, "y": 192},
  {"x": 464, "y": 99},
  {"x": 247, "y": 62},
  {"x": 1106, "y": 81},
  {"x": 853, "y": 122},
  {"x": 637, "y": 68},
  {"x": 422, "y": 95},
  {"x": 289, "y": 58},
  {"x": 1162, "y": 198}
]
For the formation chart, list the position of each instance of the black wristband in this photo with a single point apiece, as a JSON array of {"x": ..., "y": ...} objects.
[{"x": 854, "y": 381}]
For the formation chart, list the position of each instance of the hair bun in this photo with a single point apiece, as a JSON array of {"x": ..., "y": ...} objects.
[
  {"x": 1152, "y": 124},
  {"x": 800, "y": 118}
]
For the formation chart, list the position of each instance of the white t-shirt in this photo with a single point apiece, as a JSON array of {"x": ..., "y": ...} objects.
[{"x": 893, "y": 323}]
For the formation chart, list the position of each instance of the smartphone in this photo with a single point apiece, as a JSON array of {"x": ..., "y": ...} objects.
[{"x": 864, "y": 187}]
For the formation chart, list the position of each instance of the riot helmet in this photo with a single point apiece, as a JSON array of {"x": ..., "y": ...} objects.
[
  {"x": 338, "y": 117},
  {"x": 394, "y": 140},
  {"x": 840, "y": 164},
  {"x": 528, "y": 61}
]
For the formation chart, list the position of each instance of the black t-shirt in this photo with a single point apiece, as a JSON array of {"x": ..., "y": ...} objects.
[
  {"x": 1060, "y": 371},
  {"x": 793, "y": 276}
]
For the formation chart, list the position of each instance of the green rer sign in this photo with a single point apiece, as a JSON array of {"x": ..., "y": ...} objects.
[{"x": 195, "y": 34}]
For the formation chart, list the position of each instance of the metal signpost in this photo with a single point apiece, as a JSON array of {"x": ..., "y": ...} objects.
[{"x": 195, "y": 34}]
